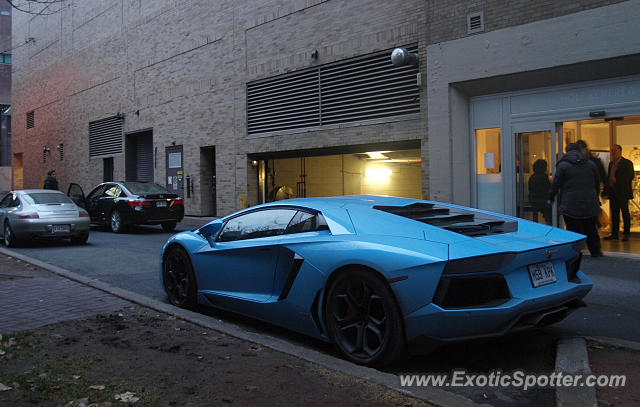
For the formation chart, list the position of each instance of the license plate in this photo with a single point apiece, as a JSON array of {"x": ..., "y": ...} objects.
[
  {"x": 161, "y": 204},
  {"x": 542, "y": 274},
  {"x": 61, "y": 228}
]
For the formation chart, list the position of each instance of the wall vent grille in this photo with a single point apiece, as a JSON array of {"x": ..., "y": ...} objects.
[
  {"x": 475, "y": 22},
  {"x": 30, "y": 120},
  {"x": 357, "y": 89},
  {"x": 105, "y": 136}
]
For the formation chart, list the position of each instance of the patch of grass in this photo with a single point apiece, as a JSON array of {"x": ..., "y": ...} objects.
[
  {"x": 54, "y": 380},
  {"x": 21, "y": 345}
]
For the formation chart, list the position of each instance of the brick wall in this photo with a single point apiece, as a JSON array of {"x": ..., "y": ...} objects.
[{"x": 183, "y": 65}]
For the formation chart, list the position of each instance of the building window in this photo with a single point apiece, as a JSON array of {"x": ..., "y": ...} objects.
[
  {"x": 30, "y": 120},
  {"x": 489, "y": 170},
  {"x": 5, "y": 58}
]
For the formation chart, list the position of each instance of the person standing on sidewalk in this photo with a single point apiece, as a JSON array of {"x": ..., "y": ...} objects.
[
  {"x": 576, "y": 183},
  {"x": 51, "y": 182},
  {"x": 619, "y": 191}
]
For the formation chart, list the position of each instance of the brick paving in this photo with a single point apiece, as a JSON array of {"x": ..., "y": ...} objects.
[{"x": 31, "y": 297}]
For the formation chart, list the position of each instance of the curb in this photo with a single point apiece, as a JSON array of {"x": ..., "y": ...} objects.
[
  {"x": 622, "y": 255},
  {"x": 572, "y": 359},
  {"x": 431, "y": 395},
  {"x": 615, "y": 342}
]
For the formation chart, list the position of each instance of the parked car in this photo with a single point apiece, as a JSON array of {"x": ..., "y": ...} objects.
[
  {"x": 121, "y": 204},
  {"x": 374, "y": 274},
  {"x": 41, "y": 213}
]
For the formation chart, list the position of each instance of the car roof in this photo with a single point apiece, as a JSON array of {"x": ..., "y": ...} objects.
[
  {"x": 324, "y": 203},
  {"x": 31, "y": 191}
]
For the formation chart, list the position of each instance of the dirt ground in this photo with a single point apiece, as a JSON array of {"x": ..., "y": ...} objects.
[
  {"x": 605, "y": 360},
  {"x": 151, "y": 359}
]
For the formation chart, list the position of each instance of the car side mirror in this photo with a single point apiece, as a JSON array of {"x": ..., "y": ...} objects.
[{"x": 209, "y": 232}]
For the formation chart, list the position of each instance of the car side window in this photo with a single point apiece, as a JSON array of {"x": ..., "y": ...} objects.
[
  {"x": 302, "y": 222},
  {"x": 264, "y": 223},
  {"x": 5, "y": 201},
  {"x": 96, "y": 192},
  {"x": 113, "y": 191},
  {"x": 10, "y": 201}
]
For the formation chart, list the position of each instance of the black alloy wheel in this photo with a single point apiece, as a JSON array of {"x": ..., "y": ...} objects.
[
  {"x": 178, "y": 278},
  {"x": 363, "y": 319},
  {"x": 10, "y": 240},
  {"x": 115, "y": 222},
  {"x": 168, "y": 226}
]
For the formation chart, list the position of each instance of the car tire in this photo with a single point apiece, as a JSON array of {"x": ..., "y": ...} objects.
[
  {"x": 363, "y": 318},
  {"x": 168, "y": 227},
  {"x": 115, "y": 222},
  {"x": 178, "y": 278},
  {"x": 80, "y": 239},
  {"x": 10, "y": 239}
]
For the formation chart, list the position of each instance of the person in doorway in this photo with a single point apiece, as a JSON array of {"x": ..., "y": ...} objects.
[
  {"x": 576, "y": 183},
  {"x": 619, "y": 191},
  {"x": 584, "y": 149},
  {"x": 51, "y": 182},
  {"x": 602, "y": 219},
  {"x": 539, "y": 187}
]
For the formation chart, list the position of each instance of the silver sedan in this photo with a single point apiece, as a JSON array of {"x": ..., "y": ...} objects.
[{"x": 41, "y": 213}]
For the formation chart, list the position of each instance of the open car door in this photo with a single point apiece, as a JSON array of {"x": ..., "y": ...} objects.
[{"x": 77, "y": 195}]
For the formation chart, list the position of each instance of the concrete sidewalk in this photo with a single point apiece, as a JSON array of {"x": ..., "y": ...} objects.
[{"x": 31, "y": 297}]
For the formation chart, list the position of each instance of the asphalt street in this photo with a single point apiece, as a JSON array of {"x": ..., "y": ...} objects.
[{"x": 130, "y": 261}]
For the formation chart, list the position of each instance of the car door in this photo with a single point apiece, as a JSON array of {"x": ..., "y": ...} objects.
[
  {"x": 107, "y": 201},
  {"x": 76, "y": 194},
  {"x": 242, "y": 261},
  {"x": 6, "y": 205},
  {"x": 91, "y": 203}
]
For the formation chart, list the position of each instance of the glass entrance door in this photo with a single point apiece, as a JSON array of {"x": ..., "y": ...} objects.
[{"x": 536, "y": 154}]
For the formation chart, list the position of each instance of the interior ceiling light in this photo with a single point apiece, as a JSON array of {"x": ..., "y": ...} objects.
[{"x": 378, "y": 155}]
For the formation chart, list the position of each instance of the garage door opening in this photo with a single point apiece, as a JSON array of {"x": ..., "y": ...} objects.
[{"x": 375, "y": 172}]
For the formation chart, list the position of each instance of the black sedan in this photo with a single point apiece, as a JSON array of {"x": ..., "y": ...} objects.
[{"x": 121, "y": 204}]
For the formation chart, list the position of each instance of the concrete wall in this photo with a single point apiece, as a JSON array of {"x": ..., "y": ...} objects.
[{"x": 595, "y": 34}]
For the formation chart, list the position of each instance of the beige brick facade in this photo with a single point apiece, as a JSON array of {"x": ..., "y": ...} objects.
[{"x": 180, "y": 68}]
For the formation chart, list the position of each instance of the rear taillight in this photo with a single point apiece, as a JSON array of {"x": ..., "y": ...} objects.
[
  {"x": 83, "y": 214},
  {"x": 176, "y": 202},
  {"x": 573, "y": 266},
  {"x": 139, "y": 203},
  {"x": 491, "y": 262},
  {"x": 29, "y": 216}
]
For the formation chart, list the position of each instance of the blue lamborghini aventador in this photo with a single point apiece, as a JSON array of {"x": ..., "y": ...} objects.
[{"x": 375, "y": 274}]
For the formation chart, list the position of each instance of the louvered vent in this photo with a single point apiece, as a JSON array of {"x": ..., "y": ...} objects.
[
  {"x": 61, "y": 151},
  {"x": 30, "y": 119},
  {"x": 475, "y": 22},
  {"x": 357, "y": 89},
  {"x": 105, "y": 136},
  {"x": 453, "y": 219}
]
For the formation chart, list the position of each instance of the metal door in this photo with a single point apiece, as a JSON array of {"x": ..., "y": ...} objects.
[{"x": 175, "y": 170}]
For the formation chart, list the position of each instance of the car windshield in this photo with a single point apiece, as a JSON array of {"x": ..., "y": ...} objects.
[
  {"x": 37, "y": 198},
  {"x": 145, "y": 188}
]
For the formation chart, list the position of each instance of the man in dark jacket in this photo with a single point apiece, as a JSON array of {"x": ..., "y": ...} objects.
[
  {"x": 50, "y": 182},
  {"x": 619, "y": 191},
  {"x": 576, "y": 182}
]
